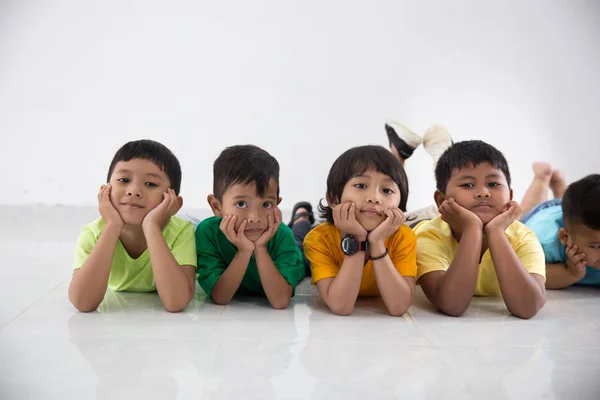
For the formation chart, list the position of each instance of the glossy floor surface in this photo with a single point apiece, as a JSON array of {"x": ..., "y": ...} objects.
[{"x": 133, "y": 349}]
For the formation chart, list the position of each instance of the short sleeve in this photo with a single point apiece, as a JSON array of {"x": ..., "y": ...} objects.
[
  {"x": 403, "y": 251},
  {"x": 530, "y": 252},
  {"x": 184, "y": 246},
  {"x": 287, "y": 257},
  {"x": 323, "y": 261},
  {"x": 433, "y": 253},
  {"x": 210, "y": 263},
  {"x": 85, "y": 244}
]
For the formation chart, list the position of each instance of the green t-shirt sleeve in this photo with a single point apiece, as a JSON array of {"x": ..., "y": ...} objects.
[
  {"x": 211, "y": 264},
  {"x": 85, "y": 244},
  {"x": 184, "y": 246},
  {"x": 287, "y": 257}
]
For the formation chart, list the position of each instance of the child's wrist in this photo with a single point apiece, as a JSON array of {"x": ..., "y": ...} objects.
[
  {"x": 113, "y": 227},
  {"x": 377, "y": 247}
]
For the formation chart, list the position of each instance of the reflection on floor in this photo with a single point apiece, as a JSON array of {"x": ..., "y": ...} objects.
[{"x": 131, "y": 348}]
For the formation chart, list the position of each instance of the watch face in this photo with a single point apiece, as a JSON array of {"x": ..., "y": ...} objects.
[{"x": 348, "y": 245}]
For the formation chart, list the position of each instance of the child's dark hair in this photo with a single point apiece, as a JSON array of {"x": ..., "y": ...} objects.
[
  {"x": 465, "y": 154},
  {"x": 153, "y": 151},
  {"x": 244, "y": 164},
  {"x": 581, "y": 202},
  {"x": 355, "y": 162}
]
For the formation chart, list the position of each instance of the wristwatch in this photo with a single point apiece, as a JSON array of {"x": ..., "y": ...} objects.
[{"x": 351, "y": 246}]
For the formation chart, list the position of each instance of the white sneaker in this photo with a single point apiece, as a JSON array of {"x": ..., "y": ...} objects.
[
  {"x": 436, "y": 140},
  {"x": 404, "y": 140}
]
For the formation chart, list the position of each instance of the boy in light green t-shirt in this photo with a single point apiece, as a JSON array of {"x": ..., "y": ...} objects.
[{"x": 137, "y": 244}]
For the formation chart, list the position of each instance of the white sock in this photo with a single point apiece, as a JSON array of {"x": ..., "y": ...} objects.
[
  {"x": 436, "y": 140},
  {"x": 410, "y": 138}
]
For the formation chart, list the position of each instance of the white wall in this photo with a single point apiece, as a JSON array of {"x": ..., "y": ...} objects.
[{"x": 304, "y": 79}]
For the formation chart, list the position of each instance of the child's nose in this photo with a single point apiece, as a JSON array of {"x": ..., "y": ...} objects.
[
  {"x": 134, "y": 190},
  {"x": 485, "y": 194},
  {"x": 373, "y": 197},
  {"x": 254, "y": 216}
]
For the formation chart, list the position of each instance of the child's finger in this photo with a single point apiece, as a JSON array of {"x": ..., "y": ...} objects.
[
  {"x": 231, "y": 227},
  {"x": 346, "y": 211},
  {"x": 398, "y": 216},
  {"x": 241, "y": 229},
  {"x": 278, "y": 216},
  {"x": 352, "y": 212},
  {"x": 336, "y": 213},
  {"x": 224, "y": 223},
  {"x": 579, "y": 258}
]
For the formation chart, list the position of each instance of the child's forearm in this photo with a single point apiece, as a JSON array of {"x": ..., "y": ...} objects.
[
  {"x": 343, "y": 291},
  {"x": 456, "y": 287},
  {"x": 277, "y": 289},
  {"x": 89, "y": 283},
  {"x": 230, "y": 280},
  {"x": 558, "y": 276},
  {"x": 522, "y": 293},
  {"x": 396, "y": 292},
  {"x": 173, "y": 285}
]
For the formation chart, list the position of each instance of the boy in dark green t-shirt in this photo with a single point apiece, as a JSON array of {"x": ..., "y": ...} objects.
[{"x": 245, "y": 248}]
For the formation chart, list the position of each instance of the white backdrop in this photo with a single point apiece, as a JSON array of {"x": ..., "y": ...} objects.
[{"x": 304, "y": 79}]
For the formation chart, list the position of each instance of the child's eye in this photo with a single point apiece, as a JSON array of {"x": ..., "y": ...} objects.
[
  {"x": 360, "y": 186},
  {"x": 493, "y": 184},
  {"x": 123, "y": 180},
  {"x": 151, "y": 184},
  {"x": 240, "y": 204},
  {"x": 267, "y": 204},
  {"x": 388, "y": 191},
  {"x": 467, "y": 185}
]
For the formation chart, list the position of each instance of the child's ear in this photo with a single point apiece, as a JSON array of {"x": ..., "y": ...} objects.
[
  {"x": 179, "y": 201},
  {"x": 511, "y": 194},
  {"x": 279, "y": 200},
  {"x": 439, "y": 198},
  {"x": 564, "y": 236},
  {"x": 215, "y": 205}
]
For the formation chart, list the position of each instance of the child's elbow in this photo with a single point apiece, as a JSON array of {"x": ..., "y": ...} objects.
[
  {"x": 280, "y": 305},
  {"x": 398, "y": 311},
  {"x": 529, "y": 312},
  {"x": 174, "y": 308},
  {"x": 343, "y": 311},
  {"x": 84, "y": 306},
  {"x": 453, "y": 311},
  {"x": 220, "y": 301}
]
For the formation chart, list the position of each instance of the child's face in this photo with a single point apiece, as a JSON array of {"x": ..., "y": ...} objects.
[
  {"x": 588, "y": 241},
  {"x": 373, "y": 193},
  {"x": 243, "y": 202},
  {"x": 482, "y": 190},
  {"x": 137, "y": 188}
]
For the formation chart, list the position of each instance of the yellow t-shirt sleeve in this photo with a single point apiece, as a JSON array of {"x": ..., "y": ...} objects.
[
  {"x": 530, "y": 252},
  {"x": 317, "y": 249},
  {"x": 433, "y": 252},
  {"x": 85, "y": 244},
  {"x": 403, "y": 251}
]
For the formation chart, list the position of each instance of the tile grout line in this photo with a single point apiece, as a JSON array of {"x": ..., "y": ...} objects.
[{"x": 33, "y": 304}]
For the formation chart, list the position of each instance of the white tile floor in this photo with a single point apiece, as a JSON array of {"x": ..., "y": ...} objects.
[{"x": 132, "y": 349}]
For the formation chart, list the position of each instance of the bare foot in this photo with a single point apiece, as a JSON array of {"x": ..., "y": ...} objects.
[
  {"x": 542, "y": 170},
  {"x": 558, "y": 184},
  {"x": 304, "y": 218}
]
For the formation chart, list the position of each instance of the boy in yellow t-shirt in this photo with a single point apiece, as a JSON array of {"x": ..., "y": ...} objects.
[
  {"x": 364, "y": 248},
  {"x": 477, "y": 246}
]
